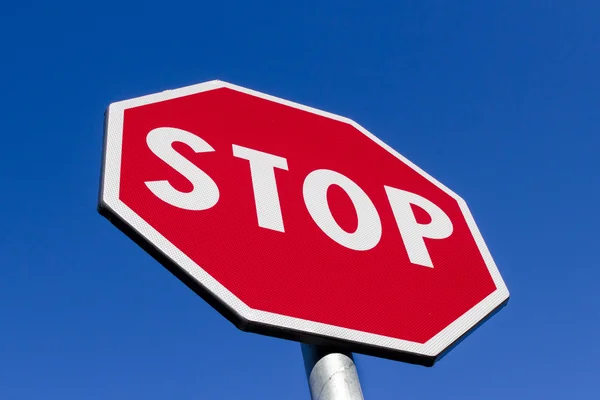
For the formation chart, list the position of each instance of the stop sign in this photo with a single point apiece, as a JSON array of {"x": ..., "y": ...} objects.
[{"x": 297, "y": 223}]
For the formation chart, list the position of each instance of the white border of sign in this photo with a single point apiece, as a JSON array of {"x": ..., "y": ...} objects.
[{"x": 268, "y": 323}]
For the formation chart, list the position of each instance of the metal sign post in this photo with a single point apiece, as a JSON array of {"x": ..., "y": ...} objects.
[{"x": 331, "y": 373}]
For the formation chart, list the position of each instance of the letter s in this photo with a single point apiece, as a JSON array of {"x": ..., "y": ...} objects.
[{"x": 205, "y": 192}]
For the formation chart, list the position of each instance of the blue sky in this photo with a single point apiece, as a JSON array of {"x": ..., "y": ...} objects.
[{"x": 498, "y": 100}]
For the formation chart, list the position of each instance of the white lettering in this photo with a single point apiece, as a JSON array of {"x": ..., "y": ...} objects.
[
  {"x": 367, "y": 233},
  {"x": 411, "y": 231},
  {"x": 266, "y": 198},
  {"x": 205, "y": 192}
]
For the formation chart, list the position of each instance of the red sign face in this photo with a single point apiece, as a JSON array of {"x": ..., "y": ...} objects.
[{"x": 297, "y": 223}]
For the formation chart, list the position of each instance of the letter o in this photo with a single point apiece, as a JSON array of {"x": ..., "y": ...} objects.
[{"x": 314, "y": 190}]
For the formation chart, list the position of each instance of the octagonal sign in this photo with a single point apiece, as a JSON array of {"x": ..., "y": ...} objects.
[{"x": 297, "y": 223}]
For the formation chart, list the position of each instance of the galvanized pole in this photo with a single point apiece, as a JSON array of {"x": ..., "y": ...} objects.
[{"x": 331, "y": 373}]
